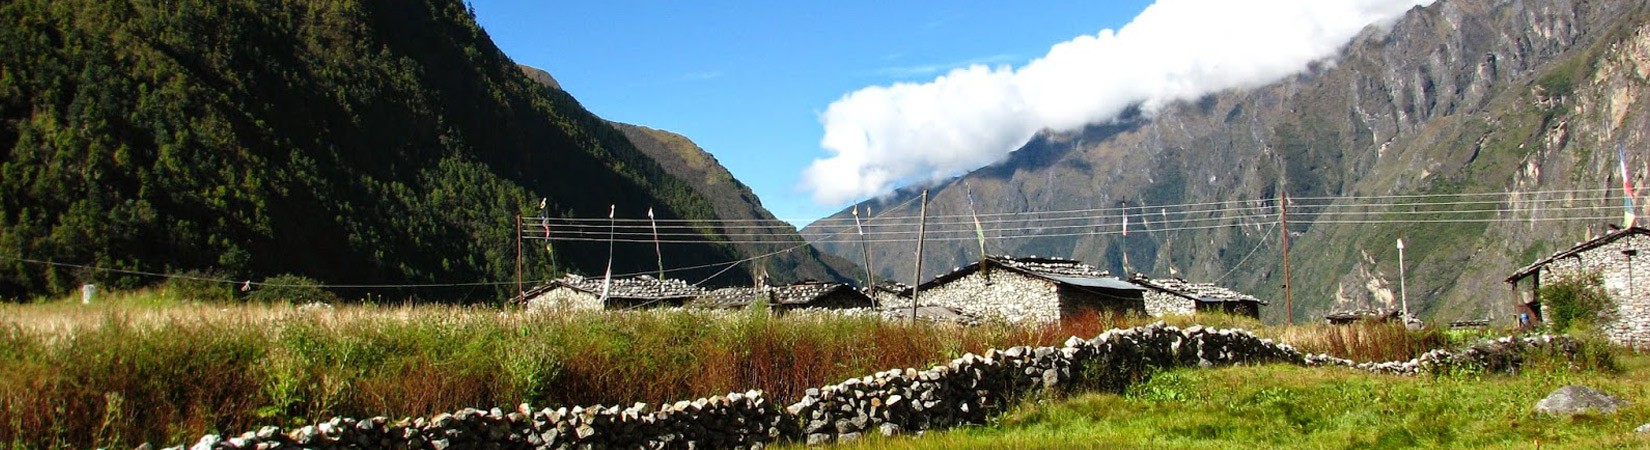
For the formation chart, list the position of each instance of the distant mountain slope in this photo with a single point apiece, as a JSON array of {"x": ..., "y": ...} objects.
[
  {"x": 1463, "y": 96},
  {"x": 356, "y": 142},
  {"x": 752, "y": 229},
  {"x": 794, "y": 260}
]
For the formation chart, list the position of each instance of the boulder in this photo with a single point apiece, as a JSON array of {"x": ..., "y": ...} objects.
[{"x": 1570, "y": 400}]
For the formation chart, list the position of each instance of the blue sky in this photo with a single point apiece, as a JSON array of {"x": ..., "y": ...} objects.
[{"x": 748, "y": 81}]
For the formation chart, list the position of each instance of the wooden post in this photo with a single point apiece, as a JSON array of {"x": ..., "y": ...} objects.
[
  {"x": 1288, "y": 303},
  {"x": 916, "y": 279},
  {"x": 519, "y": 292}
]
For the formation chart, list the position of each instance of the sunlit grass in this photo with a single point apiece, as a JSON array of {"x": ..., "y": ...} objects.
[{"x": 1315, "y": 408}]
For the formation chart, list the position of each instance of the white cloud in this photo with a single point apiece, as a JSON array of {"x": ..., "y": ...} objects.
[{"x": 881, "y": 137}]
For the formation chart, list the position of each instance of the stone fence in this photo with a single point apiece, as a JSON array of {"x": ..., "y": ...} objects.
[{"x": 967, "y": 390}]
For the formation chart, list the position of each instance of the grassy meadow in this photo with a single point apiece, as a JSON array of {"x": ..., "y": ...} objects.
[
  {"x": 1289, "y": 407},
  {"x": 146, "y": 366}
]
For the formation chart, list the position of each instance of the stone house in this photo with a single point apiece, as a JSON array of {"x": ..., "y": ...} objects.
[
  {"x": 1614, "y": 258},
  {"x": 1031, "y": 290},
  {"x": 1165, "y": 296},
  {"x": 573, "y": 292},
  {"x": 890, "y": 293},
  {"x": 789, "y": 297}
]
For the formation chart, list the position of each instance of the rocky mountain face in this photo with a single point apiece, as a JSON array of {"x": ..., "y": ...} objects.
[{"x": 1482, "y": 132}]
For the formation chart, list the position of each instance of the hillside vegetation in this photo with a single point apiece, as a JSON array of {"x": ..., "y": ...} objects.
[{"x": 355, "y": 142}]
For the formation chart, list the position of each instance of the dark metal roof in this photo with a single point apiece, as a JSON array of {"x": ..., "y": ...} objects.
[{"x": 1582, "y": 247}]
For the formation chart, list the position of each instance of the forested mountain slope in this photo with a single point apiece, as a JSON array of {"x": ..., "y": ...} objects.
[
  {"x": 1524, "y": 102},
  {"x": 749, "y": 227},
  {"x": 355, "y": 141},
  {"x": 752, "y": 229}
]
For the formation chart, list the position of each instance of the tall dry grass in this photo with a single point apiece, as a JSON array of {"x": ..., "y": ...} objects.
[
  {"x": 1363, "y": 340},
  {"x": 146, "y": 367},
  {"x": 140, "y": 367}
]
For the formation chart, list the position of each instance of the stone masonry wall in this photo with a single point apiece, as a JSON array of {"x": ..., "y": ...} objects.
[
  {"x": 1626, "y": 280},
  {"x": 1008, "y": 295},
  {"x": 967, "y": 390},
  {"x": 1159, "y": 304}
]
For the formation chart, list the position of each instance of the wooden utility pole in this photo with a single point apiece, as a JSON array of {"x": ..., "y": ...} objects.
[
  {"x": 1288, "y": 303},
  {"x": 519, "y": 292},
  {"x": 916, "y": 279},
  {"x": 870, "y": 279}
]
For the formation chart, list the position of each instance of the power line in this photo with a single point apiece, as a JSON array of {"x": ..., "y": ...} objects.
[{"x": 1022, "y": 225}]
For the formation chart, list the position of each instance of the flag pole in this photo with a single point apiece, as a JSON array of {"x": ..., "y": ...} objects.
[
  {"x": 657, "y": 251},
  {"x": 607, "y": 278},
  {"x": 916, "y": 279},
  {"x": 870, "y": 279}
]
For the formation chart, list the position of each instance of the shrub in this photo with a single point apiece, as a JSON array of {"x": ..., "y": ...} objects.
[
  {"x": 200, "y": 286},
  {"x": 291, "y": 288},
  {"x": 1576, "y": 303}
]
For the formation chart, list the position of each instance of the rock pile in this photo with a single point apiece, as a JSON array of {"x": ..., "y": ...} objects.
[{"x": 967, "y": 390}]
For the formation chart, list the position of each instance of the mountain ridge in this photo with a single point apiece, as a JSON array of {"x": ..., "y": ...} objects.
[{"x": 1456, "y": 98}]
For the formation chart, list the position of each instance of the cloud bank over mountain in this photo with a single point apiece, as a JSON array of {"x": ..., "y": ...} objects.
[{"x": 882, "y": 137}]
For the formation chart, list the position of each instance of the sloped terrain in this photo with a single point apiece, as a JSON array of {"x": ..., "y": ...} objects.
[
  {"x": 355, "y": 142},
  {"x": 1523, "y": 101}
]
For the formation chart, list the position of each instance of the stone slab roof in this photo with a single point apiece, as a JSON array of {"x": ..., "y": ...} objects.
[
  {"x": 639, "y": 288},
  {"x": 1059, "y": 270},
  {"x": 800, "y": 294},
  {"x": 1572, "y": 251},
  {"x": 1201, "y": 292}
]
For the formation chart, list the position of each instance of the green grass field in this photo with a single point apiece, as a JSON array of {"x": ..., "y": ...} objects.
[{"x": 1316, "y": 408}]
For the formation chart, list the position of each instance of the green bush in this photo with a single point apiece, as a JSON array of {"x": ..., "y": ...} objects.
[
  {"x": 293, "y": 289},
  {"x": 1576, "y": 303},
  {"x": 200, "y": 286}
]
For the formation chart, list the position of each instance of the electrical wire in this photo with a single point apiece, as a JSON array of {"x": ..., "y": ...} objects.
[{"x": 1028, "y": 225}]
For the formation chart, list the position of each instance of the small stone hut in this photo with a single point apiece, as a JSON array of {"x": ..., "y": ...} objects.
[
  {"x": 1031, "y": 290},
  {"x": 1616, "y": 258},
  {"x": 789, "y": 297},
  {"x": 1165, "y": 296},
  {"x": 576, "y": 292}
]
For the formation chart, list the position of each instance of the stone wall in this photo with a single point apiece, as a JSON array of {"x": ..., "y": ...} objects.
[
  {"x": 1626, "y": 280},
  {"x": 1159, "y": 304},
  {"x": 967, "y": 390},
  {"x": 1003, "y": 294}
]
